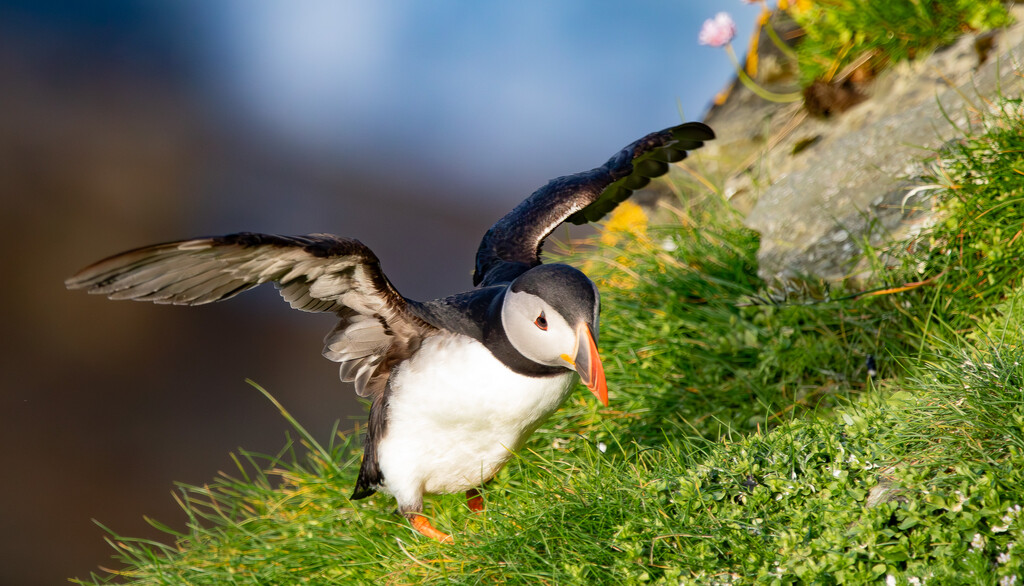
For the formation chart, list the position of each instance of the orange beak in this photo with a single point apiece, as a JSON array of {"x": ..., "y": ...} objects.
[{"x": 588, "y": 363}]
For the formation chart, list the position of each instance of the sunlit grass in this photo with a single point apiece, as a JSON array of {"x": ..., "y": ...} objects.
[{"x": 838, "y": 32}]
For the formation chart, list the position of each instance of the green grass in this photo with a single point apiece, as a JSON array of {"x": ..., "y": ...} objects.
[
  {"x": 837, "y": 32},
  {"x": 981, "y": 257},
  {"x": 745, "y": 443}
]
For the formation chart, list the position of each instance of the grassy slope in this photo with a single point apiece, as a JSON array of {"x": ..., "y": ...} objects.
[{"x": 746, "y": 441}]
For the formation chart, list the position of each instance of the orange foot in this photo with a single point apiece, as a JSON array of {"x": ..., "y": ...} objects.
[
  {"x": 421, "y": 524},
  {"x": 474, "y": 500}
]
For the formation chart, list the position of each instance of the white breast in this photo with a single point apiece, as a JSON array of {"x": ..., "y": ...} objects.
[{"x": 456, "y": 415}]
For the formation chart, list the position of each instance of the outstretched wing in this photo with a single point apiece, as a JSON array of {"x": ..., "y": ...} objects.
[
  {"x": 513, "y": 244},
  {"x": 317, "y": 273}
]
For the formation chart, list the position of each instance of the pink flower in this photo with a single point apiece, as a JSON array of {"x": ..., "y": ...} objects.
[{"x": 717, "y": 31}]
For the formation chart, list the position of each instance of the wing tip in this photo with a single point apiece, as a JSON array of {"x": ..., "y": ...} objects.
[{"x": 693, "y": 131}]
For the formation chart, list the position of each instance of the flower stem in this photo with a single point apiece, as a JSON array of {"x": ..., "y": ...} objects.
[
  {"x": 774, "y": 36},
  {"x": 752, "y": 85}
]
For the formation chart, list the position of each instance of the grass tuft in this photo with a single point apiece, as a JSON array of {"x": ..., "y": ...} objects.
[{"x": 838, "y": 32}]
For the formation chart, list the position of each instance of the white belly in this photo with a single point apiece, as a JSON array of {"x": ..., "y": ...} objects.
[{"x": 454, "y": 421}]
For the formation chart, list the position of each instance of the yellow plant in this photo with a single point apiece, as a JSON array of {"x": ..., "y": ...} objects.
[{"x": 627, "y": 219}]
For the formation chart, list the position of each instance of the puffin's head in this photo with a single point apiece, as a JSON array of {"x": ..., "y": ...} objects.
[{"x": 550, "y": 317}]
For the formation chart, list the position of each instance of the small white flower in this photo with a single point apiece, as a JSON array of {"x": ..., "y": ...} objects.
[
  {"x": 913, "y": 581},
  {"x": 978, "y": 543},
  {"x": 960, "y": 505},
  {"x": 1008, "y": 580},
  {"x": 602, "y": 447},
  {"x": 890, "y": 580},
  {"x": 1011, "y": 514},
  {"x": 1003, "y": 557}
]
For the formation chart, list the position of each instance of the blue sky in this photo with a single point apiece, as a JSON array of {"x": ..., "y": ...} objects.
[{"x": 479, "y": 91}]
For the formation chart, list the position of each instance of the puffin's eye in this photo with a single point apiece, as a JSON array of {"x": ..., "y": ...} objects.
[{"x": 541, "y": 322}]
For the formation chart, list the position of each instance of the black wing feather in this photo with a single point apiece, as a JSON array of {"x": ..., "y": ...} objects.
[
  {"x": 513, "y": 244},
  {"x": 317, "y": 273}
]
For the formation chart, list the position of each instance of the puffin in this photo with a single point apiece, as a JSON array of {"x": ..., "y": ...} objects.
[{"x": 455, "y": 385}]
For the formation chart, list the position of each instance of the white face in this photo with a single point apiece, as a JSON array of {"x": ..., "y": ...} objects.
[{"x": 536, "y": 330}]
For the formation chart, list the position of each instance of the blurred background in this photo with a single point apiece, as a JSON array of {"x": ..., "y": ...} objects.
[{"x": 411, "y": 126}]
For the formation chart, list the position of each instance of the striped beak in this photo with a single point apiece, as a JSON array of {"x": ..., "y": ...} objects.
[{"x": 587, "y": 363}]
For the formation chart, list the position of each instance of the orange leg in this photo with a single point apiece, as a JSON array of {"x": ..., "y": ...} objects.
[
  {"x": 421, "y": 524},
  {"x": 474, "y": 500}
]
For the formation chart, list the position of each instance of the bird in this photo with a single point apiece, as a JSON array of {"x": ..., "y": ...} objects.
[{"x": 455, "y": 385}]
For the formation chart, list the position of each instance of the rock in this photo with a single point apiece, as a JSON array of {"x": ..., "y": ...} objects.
[{"x": 816, "y": 189}]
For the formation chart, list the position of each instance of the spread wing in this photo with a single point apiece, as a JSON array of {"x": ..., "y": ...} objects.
[
  {"x": 317, "y": 273},
  {"x": 513, "y": 244}
]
